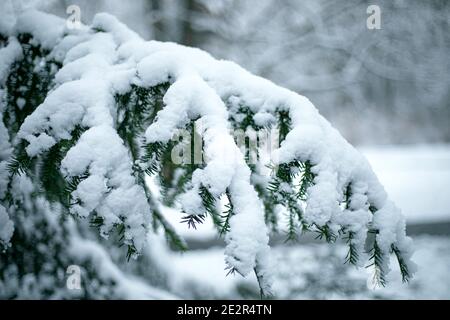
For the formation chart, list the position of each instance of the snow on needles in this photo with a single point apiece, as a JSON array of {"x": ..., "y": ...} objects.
[
  {"x": 97, "y": 65},
  {"x": 8, "y": 55}
]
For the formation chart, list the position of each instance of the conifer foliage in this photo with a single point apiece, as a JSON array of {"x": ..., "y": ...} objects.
[{"x": 89, "y": 114}]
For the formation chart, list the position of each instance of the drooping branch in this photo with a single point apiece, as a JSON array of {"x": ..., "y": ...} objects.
[{"x": 109, "y": 122}]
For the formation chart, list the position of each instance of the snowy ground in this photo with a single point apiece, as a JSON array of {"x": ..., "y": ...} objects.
[
  {"x": 316, "y": 271},
  {"x": 416, "y": 177}
]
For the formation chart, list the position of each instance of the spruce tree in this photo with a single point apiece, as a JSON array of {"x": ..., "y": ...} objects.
[{"x": 88, "y": 115}]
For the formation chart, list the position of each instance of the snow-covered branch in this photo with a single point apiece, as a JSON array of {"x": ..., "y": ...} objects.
[{"x": 113, "y": 106}]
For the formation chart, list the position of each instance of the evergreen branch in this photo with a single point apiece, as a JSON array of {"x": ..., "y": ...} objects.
[
  {"x": 231, "y": 270},
  {"x": 270, "y": 217},
  {"x": 152, "y": 157},
  {"x": 376, "y": 259},
  {"x": 287, "y": 171},
  {"x": 286, "y": 175},
  {"x": 73, "y": 182},
  {"x": 324, "y": 232},
  {"x": 96, "y": 221},
  {"x": 20, "y": 164},
  {"x": 284, "y": 124},
  {"x": 193, "y": 219},
  {"x": 292, "y": 228},
  {"x": 136, "y": 110},
  {"x": 131, "y": 251},
  {"x": 352, "y": 256},
  {"x": 174, "y": 239},
  {"x": 50, "y": 176},
  {"x": 347, "y": 195},
  {"x": 404, "y": 270},
  {"x": 229, "y": 212},
  {"x": 208, "y": 200},
  {"x": 56, "y": 188},
  {"x": 226, "y": 217},
  {"x": 209, "y": 203},
  {"x": 307, "y": 180}
]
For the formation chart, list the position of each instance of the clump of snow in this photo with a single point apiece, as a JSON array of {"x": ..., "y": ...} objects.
[
  {"x": 6, "y": 226},
  {"x": 5, "y": 150},
  {"x": 8, "y": 55},
  {"x": 391, "y": 231},
  {"x": 264, "y": 119},
  {"x": 47, "y": 29},
  {"x": 109, "y": 23},
  {"x": 110, "y": 189},
  {"x": 189, "y": 98}
]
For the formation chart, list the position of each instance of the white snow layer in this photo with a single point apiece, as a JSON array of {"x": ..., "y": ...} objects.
[
  {"x": 98, "y": 64},
  {"x": 6, "y": 226},
  {"x": 417, "y": 178},
  {"x": 127, "y": 286},
  {"x": 46, "y": 29},
  {"x": 8, "y": 55}
]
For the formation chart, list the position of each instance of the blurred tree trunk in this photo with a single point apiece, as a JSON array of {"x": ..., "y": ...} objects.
[{"x": 175, "y": 21}]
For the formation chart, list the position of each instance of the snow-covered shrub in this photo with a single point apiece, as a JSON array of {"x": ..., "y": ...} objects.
[{"x": 88, "y": 114}]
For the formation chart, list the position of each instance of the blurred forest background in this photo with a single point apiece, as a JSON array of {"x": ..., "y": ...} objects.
[
  {"x": 385, "y": 86},
  {"x": 387, "y": 91}
]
